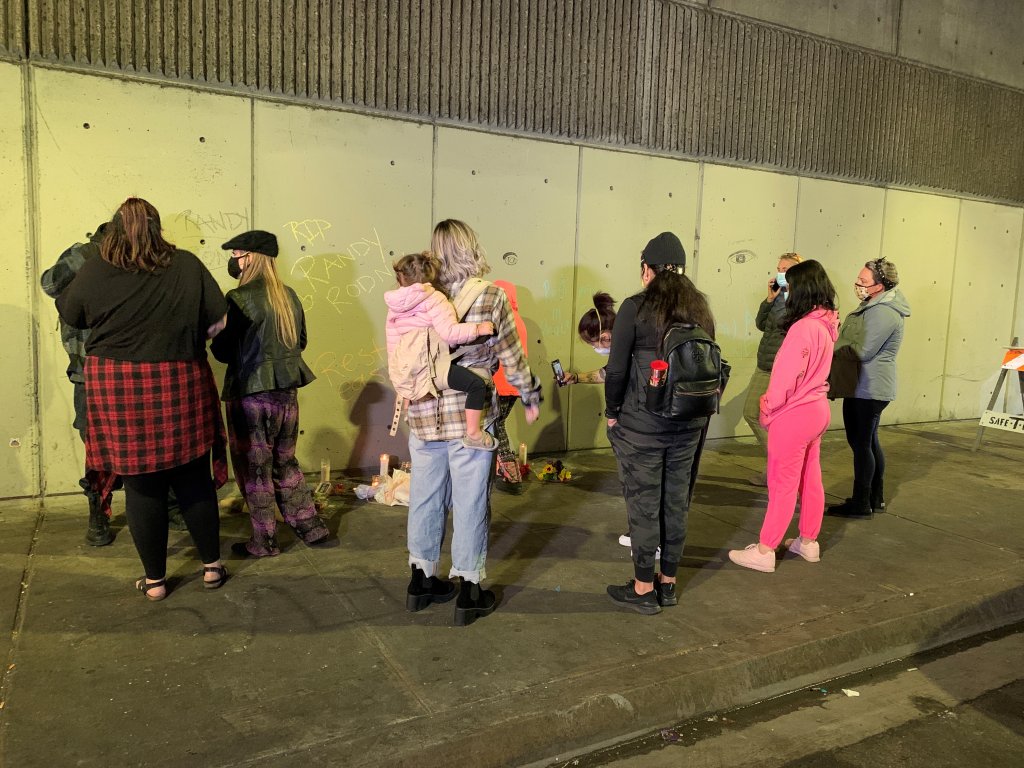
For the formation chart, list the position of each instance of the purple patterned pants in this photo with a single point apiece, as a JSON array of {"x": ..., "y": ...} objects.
[{"x": 262, "y": 430}]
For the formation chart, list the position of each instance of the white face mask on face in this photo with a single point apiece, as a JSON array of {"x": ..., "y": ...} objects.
[
  {"x": 602, "y": 350},
  {"x": 862, "y": 293}
]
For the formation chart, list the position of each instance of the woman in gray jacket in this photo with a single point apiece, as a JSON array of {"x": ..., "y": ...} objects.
[{"x": 864, "y": 375}]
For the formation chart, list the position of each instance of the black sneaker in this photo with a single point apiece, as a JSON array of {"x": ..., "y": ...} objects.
[
  {"x": 473, "y": 603},
  {"x": 424, "y": 590},
  {"x": 666, "y": 592},
  {"x": 627, "y": 597},
  {"x": 850, "y": 509}
]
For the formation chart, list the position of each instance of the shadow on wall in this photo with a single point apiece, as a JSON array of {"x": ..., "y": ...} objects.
[{"x": 18, "y": 451}]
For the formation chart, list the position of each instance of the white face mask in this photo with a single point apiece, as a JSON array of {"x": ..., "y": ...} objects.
[
  {"x": 602, "y": 350},
  {"x": 862, "y": 293},
  {"x": 780, "y": 280}
]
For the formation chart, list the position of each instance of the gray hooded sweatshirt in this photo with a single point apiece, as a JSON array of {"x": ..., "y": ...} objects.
[{"x": 864, "y": 362}]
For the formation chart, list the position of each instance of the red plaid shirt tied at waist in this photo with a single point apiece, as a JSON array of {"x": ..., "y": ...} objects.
[{"x": 146, "y": 417}]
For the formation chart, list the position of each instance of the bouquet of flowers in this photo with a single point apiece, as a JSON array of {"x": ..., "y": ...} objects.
[{"x": 553, "y": 472}]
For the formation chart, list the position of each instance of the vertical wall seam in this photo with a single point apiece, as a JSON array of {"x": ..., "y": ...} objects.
[
  {"x": 433, "y": 177},
  {"x": 31, "y": 203},
  {"x": 253, "y": 177},
  {"x": 696, "y": 224},
  {"x": 949, "y": 309},
  {"x": 566, "y": 429}
]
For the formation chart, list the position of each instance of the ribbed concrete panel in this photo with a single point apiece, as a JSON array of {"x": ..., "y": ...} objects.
[
  {"x": 12, "y": 28},
  {"x": 651, "y": 74}
]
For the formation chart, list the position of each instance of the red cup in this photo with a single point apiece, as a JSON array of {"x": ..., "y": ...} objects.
[{"x": 659, "y": 370}]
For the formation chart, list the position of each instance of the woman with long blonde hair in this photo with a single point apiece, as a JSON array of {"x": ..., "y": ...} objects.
[{"x": 262, "y": 346}]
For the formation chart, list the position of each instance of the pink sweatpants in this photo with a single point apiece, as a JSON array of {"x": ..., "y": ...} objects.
[{"x": 794, "y": 465}]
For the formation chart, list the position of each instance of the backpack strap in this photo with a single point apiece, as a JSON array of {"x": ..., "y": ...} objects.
[
  {"x": 400, "y": 403},
  {"x": 464, "y": 301}
]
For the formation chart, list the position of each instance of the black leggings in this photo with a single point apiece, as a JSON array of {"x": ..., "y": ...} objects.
[
  {"x": 861, "y": 417},
  {"x": 464, "y": 380},
  {"x": 146, "y": 510}
]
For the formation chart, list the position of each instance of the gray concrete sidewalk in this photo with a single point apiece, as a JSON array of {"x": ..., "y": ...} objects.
[{"x": 311, "y": 659}]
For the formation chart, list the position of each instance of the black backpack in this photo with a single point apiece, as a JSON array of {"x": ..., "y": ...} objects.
[{"x": 695, "y": 379}]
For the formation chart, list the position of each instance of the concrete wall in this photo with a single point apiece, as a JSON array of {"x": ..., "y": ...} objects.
[
  {"x": 873, "y": 94},
  {"x": 346, "y": 193},
  {"x": 981, "y": 38}
]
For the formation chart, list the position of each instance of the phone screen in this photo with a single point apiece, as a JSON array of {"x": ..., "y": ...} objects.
[{"x": 556, "y": 366}]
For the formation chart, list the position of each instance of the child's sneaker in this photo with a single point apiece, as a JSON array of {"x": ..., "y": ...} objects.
[
  {"x": 485, "y": 442},
  {"x": 809, "y": 551}
]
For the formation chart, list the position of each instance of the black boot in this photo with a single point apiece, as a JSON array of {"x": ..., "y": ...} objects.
[
  {"x": 851, "y": 508},
  {"x": 99, "y": 533},
  {"x": 877, "y": 498},
  {"x": 473, "y": 603},
  {"x": 424, "y": 590}
]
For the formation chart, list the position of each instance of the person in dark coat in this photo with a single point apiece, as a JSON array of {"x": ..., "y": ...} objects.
[
  {"x": 656, "y": 455},
  {"x": 262, "y": 345},
  {"x": 769, "y": 322}
]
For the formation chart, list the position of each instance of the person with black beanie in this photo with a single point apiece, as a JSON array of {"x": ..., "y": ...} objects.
[{"x": 655, "y": 454}]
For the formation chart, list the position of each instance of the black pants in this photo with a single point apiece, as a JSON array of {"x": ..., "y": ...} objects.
[
  {"x": 655, "y": 471},
  {"x": 146, "y": 510},
  {"x": 464, "y": 380},
  {"x": 508, "y": 459},
  {"x": 860, "y": 418},
  {"x": 80, "y": 423}
]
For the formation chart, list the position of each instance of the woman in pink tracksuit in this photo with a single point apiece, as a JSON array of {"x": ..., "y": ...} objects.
[{"x": 795, "y": 412}]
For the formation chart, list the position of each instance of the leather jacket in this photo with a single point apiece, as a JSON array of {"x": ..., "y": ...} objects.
[{"x": 256, "y": 357}]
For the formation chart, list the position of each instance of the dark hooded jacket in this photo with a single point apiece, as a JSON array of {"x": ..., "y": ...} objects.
[{"x": 54, "y": 281}]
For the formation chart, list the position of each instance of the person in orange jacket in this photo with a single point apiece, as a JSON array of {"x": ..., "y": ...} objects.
[{"x": 509, "y": 472}]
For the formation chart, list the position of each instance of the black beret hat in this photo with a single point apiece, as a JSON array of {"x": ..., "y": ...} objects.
[
  {"x": 255, "y": 241},
  {"x": 664, "y": 249}
]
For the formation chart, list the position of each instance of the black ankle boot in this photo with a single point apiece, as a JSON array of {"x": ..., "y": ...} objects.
[
  {"x": 424, "y": 590},
  {"x": 877, "y": 499},
  {"x": 851, "y": 508},
  {"x": 99, "y": 533},
  {"x": 473, "y": 603}
]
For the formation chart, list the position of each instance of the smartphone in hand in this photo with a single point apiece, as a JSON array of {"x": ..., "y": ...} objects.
[{"x": 556, "y": 366}]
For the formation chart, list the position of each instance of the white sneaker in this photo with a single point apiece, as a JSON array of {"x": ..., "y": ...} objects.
[
  {"x": 809, "y": 551},
  {"x": 624, "y": 540},
  {"x": 751, "y": 557}
]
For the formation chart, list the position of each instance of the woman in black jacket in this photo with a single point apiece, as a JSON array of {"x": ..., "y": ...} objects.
[
  {"x": 655, "y": 454},
  {"x": 262, "y": 346}
]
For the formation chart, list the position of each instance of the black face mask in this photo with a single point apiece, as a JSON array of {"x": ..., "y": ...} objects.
[{"x": 234, "y": 268}]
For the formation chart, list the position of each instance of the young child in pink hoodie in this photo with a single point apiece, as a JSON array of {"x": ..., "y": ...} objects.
[
  {"x": 417, "y": 304},
  {"x": 795, "y": 412}
]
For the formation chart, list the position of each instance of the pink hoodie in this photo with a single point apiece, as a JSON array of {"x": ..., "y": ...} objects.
[
  {"x": 420, "y": 305},
  {"x": 800, "y": 371}
]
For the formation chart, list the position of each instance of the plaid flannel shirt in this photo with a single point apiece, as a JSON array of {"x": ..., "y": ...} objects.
[
  {"x": 444, "y": 418},
  {"x": 54, "y": 281},
  {"x": 146, "y": 417}
]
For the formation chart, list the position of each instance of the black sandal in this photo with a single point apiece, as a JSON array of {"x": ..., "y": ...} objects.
[
  {"x": 222, "y": 576},
  {"x": 143, "y": 586}
]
